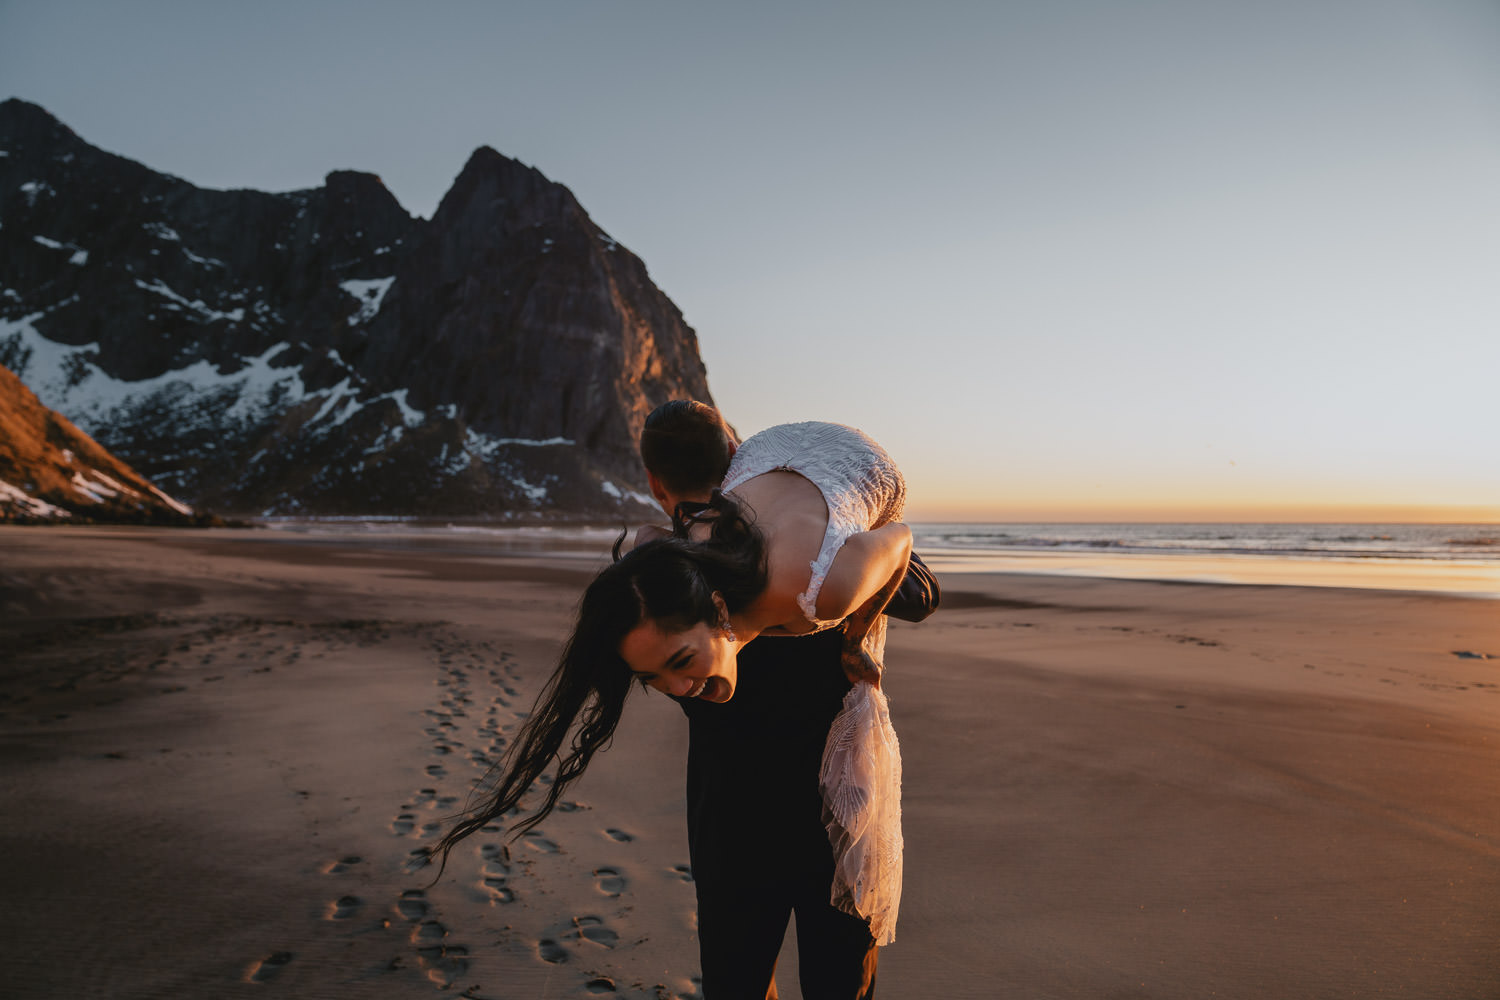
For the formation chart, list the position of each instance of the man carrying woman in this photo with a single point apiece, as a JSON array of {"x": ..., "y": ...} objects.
[
  {"x": 794, "y": 770},
  {"x": 756, "y": 835}
]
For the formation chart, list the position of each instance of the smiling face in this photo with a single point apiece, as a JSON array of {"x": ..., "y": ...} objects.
[{"x": 696, "y": 662}]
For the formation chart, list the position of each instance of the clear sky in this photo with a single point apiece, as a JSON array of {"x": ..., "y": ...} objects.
[{"x": 1066, "y": 260}]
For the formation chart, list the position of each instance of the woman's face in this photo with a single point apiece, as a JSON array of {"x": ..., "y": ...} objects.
[{"x": 696, "y": 662}]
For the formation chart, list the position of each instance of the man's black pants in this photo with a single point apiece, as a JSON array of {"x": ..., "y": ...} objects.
[{"x": 756, "y": 838}]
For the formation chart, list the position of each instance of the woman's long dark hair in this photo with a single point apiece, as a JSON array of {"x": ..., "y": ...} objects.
[{"x": 670, "y": 581}]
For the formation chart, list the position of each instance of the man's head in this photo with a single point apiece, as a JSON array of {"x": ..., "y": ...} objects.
[{"x": 686, "y": 448}]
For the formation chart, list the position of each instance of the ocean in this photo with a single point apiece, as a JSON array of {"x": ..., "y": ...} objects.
[
  {"x": 1443, "y": 558},
  {"x": 1449, "y": 558},
  {"x": 1479, "y": 543}
]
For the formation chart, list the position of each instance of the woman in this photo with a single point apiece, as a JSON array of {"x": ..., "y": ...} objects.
[{"x": 803, "y": 535}]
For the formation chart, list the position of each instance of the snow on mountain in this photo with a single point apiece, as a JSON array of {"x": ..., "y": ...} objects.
[
  {"x": 322, "y": 351},
  {"x": 369, "y": 293}
]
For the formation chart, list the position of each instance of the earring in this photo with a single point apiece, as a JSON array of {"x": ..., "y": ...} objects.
[{"x": 728, "y": 631}]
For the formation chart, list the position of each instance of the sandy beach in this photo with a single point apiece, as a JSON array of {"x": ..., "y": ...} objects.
[{"x": 224, "y": 750}]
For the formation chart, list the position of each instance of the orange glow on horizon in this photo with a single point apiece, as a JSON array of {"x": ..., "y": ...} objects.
[{"x": 919, "y": 510}]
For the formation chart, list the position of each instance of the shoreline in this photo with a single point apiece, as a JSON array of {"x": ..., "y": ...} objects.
[
  {"x": 1113, "y": 787},
  {"x": 1451, "y": 578},
  {"x": 1466, "y": 578}
]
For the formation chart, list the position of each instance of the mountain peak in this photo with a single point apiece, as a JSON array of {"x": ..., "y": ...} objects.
[
  {"x": 497, "y": 187},
  {"x": 323, "y": 351},
  {"x": 23, "y": 121},
  {"x": 14, "y": 108}
]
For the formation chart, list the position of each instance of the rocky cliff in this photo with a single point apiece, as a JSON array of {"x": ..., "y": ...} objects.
[
  {"x": 324, "y": 352},
  {"x": 50, "y": 471}
]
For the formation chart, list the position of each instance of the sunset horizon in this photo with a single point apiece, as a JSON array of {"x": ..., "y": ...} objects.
[{"x": 1292, "y": 513}]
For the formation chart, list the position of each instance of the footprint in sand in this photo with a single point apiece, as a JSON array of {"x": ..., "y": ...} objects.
[
  {"x": 342, "y": 865},
  {"x": 537, "y": 842},
  {"x": 590, "y": 928},
  {"x": 496, "y": 886},
  {"x": 611, "y": 882},
  {"x": 269, "y": 967},
  {"x": 619, "y": 835},
  {"x": 684, "y": 872},
  {"x": 443, "y": 962},
  {"x": 345, "y": 907},
  {"x": 594, "y": 929},
  {"x": 403, "y": 824},
  {"x": 496, "y": 879},
  {"x": 413, "y": 905},
  {"x": 429, "y": 933},
  {"x": 603, "y": 984},
  {"x": 436, "y": 771}
]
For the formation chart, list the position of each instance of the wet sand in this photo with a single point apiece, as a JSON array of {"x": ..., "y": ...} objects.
[{"x": 221, "y": 750}]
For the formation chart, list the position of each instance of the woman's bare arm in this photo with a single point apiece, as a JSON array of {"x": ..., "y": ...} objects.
[
  {"x": 857, "y": 664},
  {"x": 869, "y": 564}
]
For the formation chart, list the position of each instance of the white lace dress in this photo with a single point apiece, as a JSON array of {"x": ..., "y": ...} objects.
[{"x": 860, "y": 776}]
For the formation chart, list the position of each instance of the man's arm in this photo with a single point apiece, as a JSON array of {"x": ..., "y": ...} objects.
[{"x": 919, "y": 593}]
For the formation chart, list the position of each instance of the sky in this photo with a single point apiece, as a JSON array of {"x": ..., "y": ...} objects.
[{"x": 1066, "y": 260}]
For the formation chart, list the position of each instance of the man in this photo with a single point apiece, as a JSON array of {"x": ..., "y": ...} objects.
[{"x": 756, "y": 836}]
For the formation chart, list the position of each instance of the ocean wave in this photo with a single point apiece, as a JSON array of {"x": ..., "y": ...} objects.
[{"x": 1320, "y": 541}]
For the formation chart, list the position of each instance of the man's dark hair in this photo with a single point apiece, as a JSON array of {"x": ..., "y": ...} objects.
[{"x": 687, "y": 446}]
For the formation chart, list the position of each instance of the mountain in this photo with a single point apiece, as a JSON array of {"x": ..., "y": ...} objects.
[
  {"x": 325, "y": 352},
  {"x": 52, "y": 471}
]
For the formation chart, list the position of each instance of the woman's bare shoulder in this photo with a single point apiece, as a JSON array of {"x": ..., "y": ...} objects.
[
  {"x": 792, "y": 517},
  {"x": 781, "y": 497},
  {"x": 790, "y": 553}
]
